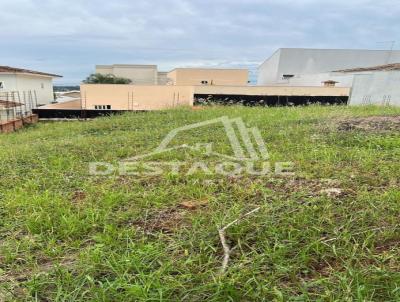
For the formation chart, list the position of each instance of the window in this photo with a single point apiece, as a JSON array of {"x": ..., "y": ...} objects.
[
  {"x": 1, "y": 85},
  {"x": 42, "y": 85},
  {"x": 102, "y": 107},
  {"x": 330, "y": 83},
  {"x": 287, "y": 76},
  {"x": 204, "y": 82}
]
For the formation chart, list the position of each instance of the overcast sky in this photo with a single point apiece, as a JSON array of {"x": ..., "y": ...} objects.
[{"x": 70, "y": 37}]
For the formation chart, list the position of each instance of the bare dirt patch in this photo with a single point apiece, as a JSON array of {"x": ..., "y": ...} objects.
[
  {"x": 170, "y": 219},
  {"x": 78, "y": 197},
  {"x": 371, "y": 123},
  {"x": 388, "y": 245}
]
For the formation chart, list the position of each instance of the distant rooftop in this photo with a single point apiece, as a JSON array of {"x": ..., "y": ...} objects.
[
  {"x": 8, "y": 69},
  {"x": 128, "y": 66},
  {"x": 209, "y": 68},
  {"x": 387, "y": 67}
]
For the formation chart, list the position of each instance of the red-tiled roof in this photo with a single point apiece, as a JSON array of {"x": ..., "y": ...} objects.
[
  {"x": 387, "y": 67},
  {"x": 19, "y": 70}
]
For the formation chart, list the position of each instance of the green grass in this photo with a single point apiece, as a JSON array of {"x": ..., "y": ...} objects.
[{"x": 69, "y": 236}]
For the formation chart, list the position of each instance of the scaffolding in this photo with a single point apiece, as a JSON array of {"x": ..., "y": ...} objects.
[
  {"x": 16, "y": 105},
  {"x": 16, "y": 110}
]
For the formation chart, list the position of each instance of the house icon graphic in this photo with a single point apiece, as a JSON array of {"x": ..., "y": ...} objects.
[{"x": 247, "y": 143}]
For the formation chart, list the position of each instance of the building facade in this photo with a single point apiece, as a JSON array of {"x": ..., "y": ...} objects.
[
  {"x": 313, "y": 67},
  {"x": 149, "y": 75},
  {"x": 208, "y": 76},
  {"x": 118, "y": 97}
]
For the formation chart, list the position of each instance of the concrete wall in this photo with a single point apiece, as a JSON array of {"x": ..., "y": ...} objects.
[
  {"x": 43, "y": 85},
  {"x": 269, "y": 70},
  {"x": 316, "y": 61},
  {"x": 194, "y": 76},
  {"x": 156, "y": 97},
  {"x": 272, "y": 90},
  {"x": 377, "y": 88},
  {"x": 162, "y": 78},
  {"x": 104, "y": 69},
  {"x": 318, "y": 79},
  {"x": 132, "y": 97},
  {"x": 138, "y": 74}
]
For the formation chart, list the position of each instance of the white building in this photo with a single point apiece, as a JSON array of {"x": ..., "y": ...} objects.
[
  {"x": 315, "y": 67},
  {"x": 138, "y": 74},
  {"x": 22, "y": 85}
]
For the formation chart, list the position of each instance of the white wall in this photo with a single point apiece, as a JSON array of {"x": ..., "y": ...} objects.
[
  {"x": 378, "y": 88},
  {"x": 9, "y": 82},
  {"x": 317, "y": 79},
  {"x": 315, "y": 61},
  {"x": 42, "y": 85},
  {"x": 268, "y": 71}
]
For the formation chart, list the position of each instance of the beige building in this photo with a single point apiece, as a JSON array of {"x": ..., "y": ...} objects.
[
  {"x": 149, "y": 75},
  {"x": 208, "y": 76},
  {"x": 138, "y": 74},
  {"x": 134, "y": 97}
]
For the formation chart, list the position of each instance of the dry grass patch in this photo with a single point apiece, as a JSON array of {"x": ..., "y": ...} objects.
[{"x": 370, "y": 123}]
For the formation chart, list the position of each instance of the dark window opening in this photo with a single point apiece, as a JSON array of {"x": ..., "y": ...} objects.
[
  {"x": 287, "y": 76},
  {"x": 330, "y": 83},
  {"x": 102, "y": 107}
]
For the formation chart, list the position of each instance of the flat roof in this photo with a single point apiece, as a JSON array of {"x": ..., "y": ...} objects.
[
  {"x": 386, "y": 67},
  {"x": 8, "y": 69},
  {"x": 127, "y": 66},
  {"x": 329, "y": 49},
  {"x": 325, "y": 49}
]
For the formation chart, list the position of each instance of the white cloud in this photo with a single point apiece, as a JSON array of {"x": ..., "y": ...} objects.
[{"x": 70, "y": 37}]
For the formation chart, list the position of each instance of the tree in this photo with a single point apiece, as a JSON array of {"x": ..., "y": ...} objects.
[{"x": 98, "y": 78}]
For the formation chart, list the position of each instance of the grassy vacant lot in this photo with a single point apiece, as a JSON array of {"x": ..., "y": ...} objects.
[{"x": 328, "y": 233}]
